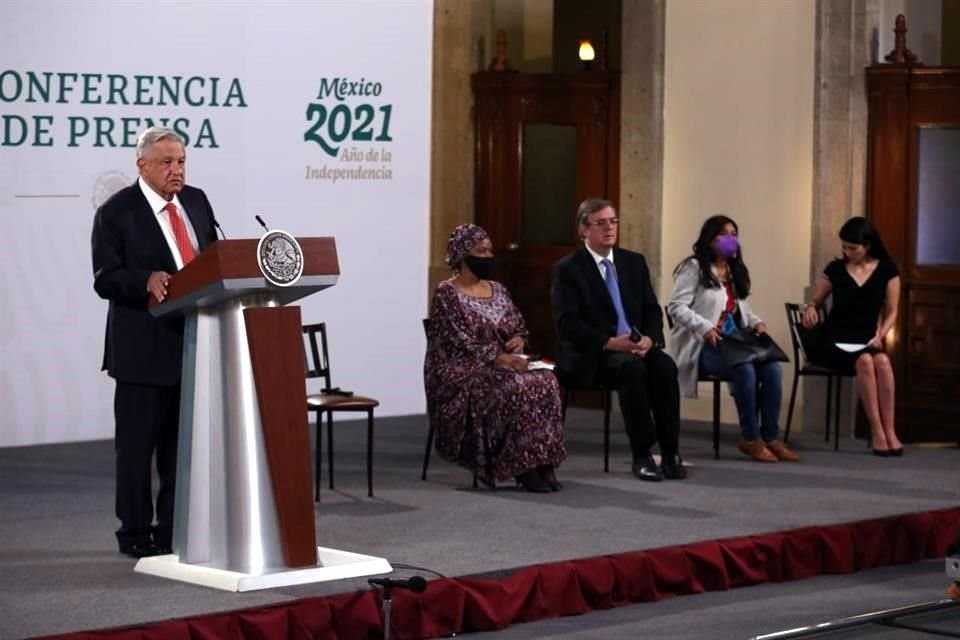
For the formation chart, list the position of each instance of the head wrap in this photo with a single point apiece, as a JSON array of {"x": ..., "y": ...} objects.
[{"x": 462, "y": 240}]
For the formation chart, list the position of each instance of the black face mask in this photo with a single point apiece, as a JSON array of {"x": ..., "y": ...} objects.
[{"x": 481, "y": 267}]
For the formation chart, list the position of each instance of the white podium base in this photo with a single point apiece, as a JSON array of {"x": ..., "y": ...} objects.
[{"x": 332, "y": 564}]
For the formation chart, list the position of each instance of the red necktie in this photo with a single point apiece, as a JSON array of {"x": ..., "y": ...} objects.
[{"x": 180, "y": 234}]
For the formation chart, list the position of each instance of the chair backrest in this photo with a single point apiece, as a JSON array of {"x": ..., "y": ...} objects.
[
  {"x": 794, "y": 317},
  {"x": 797, "y": 332},
  {"x": 317, "y": 359}
]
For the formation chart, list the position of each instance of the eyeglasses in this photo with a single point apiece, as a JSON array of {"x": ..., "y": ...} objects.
[{"x": 605, "y": 222}]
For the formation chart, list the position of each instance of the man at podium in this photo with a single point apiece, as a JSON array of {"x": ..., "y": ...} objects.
[{"x": 141, "y": 235}]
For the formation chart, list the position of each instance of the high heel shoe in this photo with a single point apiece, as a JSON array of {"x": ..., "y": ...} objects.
[
  {"x": 895, "y": 453},
  {"x": 531, "y": 481},
  {"x": 883, "y": 453},
  {"x": 550, "y": 477}
]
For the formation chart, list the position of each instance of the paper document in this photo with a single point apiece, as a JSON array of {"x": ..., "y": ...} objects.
[
  {"x": 537, "y": 363},
  {"x": 540, "y": 364},
  {"x": 850, "y": 347}
]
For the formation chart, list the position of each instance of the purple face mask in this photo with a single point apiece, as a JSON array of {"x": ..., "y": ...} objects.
[{"x": 727, "y": 246}]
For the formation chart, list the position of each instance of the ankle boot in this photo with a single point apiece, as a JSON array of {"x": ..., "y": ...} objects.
[
  {"x": 757, "y": 450},
  {"x": 549, "y": 477},
  {"x": 532, "y": 482},
  {"x": 777, "y": 448}
]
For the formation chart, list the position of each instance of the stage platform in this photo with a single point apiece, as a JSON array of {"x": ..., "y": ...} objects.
[{"x": 60, "y": 571}]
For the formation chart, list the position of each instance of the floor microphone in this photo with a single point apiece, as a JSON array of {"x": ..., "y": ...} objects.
[
  {"x": 417, "y": 584},
  {"x": 262, "y": 223}
]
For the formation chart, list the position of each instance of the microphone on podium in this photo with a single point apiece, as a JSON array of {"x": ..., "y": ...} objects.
[
  {"x": 262, "y": 223},
  {"x": 417, "y": 584},
  {"x": 216, "y": 224}
]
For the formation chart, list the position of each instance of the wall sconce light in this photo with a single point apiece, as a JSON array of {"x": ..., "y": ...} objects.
[{"x": 586, "y": 54}]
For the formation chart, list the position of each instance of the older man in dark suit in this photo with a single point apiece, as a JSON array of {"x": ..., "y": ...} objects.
[
  {"x": 611, "y": 331},
  {"x": 141, "y": 235}
]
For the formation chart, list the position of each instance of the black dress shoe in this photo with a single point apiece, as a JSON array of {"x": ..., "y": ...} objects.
[
  {"x": 550, "y": 477},
  {"x": 531, "y": 481},
  {"x": 646, "y": 469},
  {"x": 143, "y": 549},
  {"x": 162, "y": 536},
  {"x": 672, "y": 467}
]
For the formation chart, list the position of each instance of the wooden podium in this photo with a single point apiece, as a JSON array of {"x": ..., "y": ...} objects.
[{"x": 244, "y": 515}]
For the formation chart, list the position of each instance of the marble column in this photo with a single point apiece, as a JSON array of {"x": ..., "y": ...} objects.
[
  {"x": 459, "y": 29},
  {"x": 847, "y": 36},
  {"x": 641, "y": 129}
]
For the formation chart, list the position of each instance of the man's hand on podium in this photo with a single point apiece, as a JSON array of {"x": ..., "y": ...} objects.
[{"x": 157, "y": 284}]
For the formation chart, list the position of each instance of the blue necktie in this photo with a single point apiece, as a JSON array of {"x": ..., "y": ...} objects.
[{"x": 614, "y": 289}]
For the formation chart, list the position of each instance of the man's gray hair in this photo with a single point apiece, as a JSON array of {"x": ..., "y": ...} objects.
[
  {"x": 591, "y": 206},
  {"x": 152, "y": 136}
]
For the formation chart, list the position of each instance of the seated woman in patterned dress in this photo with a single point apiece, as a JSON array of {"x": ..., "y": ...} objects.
[{"x": 491, "y": 414}]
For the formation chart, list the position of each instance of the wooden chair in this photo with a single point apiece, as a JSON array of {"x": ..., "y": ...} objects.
[
  {"x": 332, "y": 399},
  {"x": 807, "y": 368}
]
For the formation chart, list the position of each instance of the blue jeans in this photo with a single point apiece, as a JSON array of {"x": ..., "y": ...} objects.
[{"x": 753, "y": 384}]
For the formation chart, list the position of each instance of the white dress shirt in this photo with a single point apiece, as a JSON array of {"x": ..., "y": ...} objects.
[
  {"x": 599, "y": 258},
  {"x": 157, "y": 204}
]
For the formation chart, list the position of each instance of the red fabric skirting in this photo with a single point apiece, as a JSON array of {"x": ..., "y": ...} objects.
[{"x": 457, "y": 605}]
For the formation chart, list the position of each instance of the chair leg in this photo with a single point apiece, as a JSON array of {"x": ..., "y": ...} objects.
[
  {"x": 330, "y": 446},
  {"x": 826, "y": 428},
  {"x": 370, "y": 453},
  {"x": 793, "y": 400},
  {"x": 317, "y": 457},
  {"x": 607, "y": 401},
  {"x": 716, "y": 420},
  {"x": 836, "y": 416},
  {"x": 563, "y": 404},
  {"x": 475, "y": 485},
  {"x": 426, "y": 454}
]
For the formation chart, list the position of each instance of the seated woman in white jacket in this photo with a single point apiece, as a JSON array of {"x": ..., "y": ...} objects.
[{"x": 710, "y": 289}]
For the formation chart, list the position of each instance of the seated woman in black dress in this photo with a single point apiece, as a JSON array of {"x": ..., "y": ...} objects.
[
  {"x": 865, "y": 286},
  {"x": 491, "y": 413}
]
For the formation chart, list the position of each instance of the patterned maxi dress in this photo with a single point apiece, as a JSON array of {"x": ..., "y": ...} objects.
[{"x": 488, "y": 418}]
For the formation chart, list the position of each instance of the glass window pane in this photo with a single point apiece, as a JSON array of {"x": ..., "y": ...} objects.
[
  {"x": 549, "y": 183},
  {"x": 938, "y": 196}
]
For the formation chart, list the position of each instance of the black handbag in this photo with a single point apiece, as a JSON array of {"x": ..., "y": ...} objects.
[{"x": 743, "y": 346}]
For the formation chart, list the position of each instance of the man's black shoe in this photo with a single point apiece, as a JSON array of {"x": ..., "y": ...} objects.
[
  {"x": 672, "y": 467},
  {"x": 144, "y": 549},
  {"x": 646, "y": 469}
]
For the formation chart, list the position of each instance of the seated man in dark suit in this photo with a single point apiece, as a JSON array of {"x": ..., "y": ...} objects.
[{"x": 611, "y": 331}]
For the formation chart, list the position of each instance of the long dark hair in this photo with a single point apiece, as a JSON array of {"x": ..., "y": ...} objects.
[
  {"x": 704, "y": 254},
  {"x": 858, "y": 230}
]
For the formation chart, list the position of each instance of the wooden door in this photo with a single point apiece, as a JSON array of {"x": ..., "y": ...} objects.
[
  {"x": 913, "y": 198},
  {"x": 545, "y": 142}
]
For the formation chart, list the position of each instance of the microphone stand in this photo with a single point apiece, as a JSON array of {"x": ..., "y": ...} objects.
[
  {"x": 387, "y": 601},
  {"x": 415, "y": 584}
]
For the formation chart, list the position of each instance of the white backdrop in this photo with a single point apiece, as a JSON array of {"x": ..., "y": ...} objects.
[{"x": 239, "y": 79}]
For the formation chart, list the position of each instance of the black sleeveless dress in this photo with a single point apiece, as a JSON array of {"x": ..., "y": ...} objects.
[{"x": 855, "y": 314}]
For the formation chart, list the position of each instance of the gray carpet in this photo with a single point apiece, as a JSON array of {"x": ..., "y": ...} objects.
[{"x": 60, "y": 571}]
